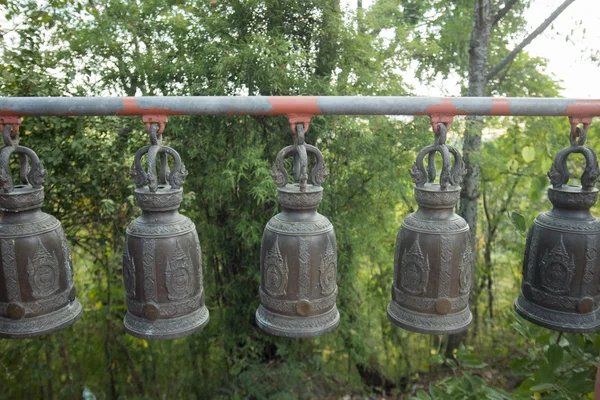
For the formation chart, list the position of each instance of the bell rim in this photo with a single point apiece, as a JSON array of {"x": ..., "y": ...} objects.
[
  {"x": 295, "y": 329},
  {"x": 201, "y": 315},
  {"x": 395, "y": 313},
  {"x": 59, "y": 319},
  {"x": 521, "y": 304}
]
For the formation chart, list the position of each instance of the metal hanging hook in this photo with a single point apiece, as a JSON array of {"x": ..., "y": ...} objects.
[
  {"x": 440, "y": 119},
  {"x": 155, "y": 119},
  {"x": 580, "y": 136},
  {"x": 13, "y": 122},
  {"x": 575, "y": 121},
  {"x": 9, "y": 136},
  {"x": 296, "y": 119}
]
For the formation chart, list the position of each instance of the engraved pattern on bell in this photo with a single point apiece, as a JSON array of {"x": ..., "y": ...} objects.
[
  {"x": 328, "y": 270},
  {"x": 298, "y": 252},
  {"x": 433, "y": 260},
  {"x": 557, "y": 268},
  {"x": 37, "y": 296},
  {"x": 465, "y": 278},
  {"x": 162, "y": 260},
  {"x": 128, "y": 272},
  {"x": 276, "y": 272},
  {"x": 414, "y": 273},
  {"x": 561, "y": 269},
  {"x": 178, "y": 275},
  {"x": 42, "y": 272}
]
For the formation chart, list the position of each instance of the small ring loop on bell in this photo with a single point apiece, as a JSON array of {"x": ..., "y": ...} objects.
[
  {"x": 15, "y": 311},
  {"x": 151, "y": 312}
]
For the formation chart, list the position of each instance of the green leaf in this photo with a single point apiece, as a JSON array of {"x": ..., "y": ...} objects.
[
  {"x": 528, "y": 154},
  {"x": 518, "y": 221},
  {"x": 520, "y": 367},
  {"x": 436, "y": 393},
  {"x": 542, "y": 387},
  {"x": 555, "y": 356},
  {"x": 579, "y": 382},
  {"x": 545, "y": 374},
  {"x": 422, "y": 395}
]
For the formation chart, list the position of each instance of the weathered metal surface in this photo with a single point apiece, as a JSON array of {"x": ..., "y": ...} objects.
[
  {"x": 162, "y": 260},
  {"x": 561, "y": 266},
  {"x": 37, "y": 295},
  {"x": 433, "y": 263},
  {"x": 311, "y": 105},
  {"x": 298, "y": 258}
]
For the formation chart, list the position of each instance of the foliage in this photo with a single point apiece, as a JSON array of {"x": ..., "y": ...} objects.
[{"x": 269, "y": 47}]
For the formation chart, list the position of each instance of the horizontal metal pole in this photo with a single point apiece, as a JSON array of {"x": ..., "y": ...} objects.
[{"x": 281, "y": 105}]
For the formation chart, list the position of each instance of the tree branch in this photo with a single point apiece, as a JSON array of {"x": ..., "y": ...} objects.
[
  {"x": 503, "y": 11},
  {"x": 513, "y": 54}
]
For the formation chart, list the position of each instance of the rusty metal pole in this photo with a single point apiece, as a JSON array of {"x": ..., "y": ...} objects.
[{"x": 285, "y": 105}]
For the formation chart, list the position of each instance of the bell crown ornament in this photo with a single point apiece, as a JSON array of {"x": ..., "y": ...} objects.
[
  {"x": 162, "y": 259},
  {"x": 433, "y": 263},
  {"x": 298, "y": 261},
  {"x": 560, "y": 265},
  {"x": 37, "y": 296}
]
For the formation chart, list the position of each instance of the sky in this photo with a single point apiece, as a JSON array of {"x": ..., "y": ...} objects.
[{"x": 569, "y": 60}]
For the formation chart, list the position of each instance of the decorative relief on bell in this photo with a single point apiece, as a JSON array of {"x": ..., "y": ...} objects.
[
  {"x": 68, "y": 264},
  {"x": 298, "y": 263},
  {"x": 148, "y": 267},
  {"x": 37, "y": 296},
  {"x": 465, "y": 269},
  {"x": 414, "y": 273},
  {"x": 162, "y": 260},
  {"x": 433, "y": 262},
  {"x": 276, "y": 272},
  {"x": 560, "y": 267},
  {"x": 42, "y": 272},
  {"x": 128, "y": 273},
  {"x": 328, "y": 270},
  {"x": 177, "y": 274},
  {"x": 557, "y": 268},
  {"x": 9, "y": 264}
]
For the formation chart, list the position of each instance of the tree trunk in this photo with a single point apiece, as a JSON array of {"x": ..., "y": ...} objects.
[
  {"x": 469, "y": 196},
  {"x": 485, "y": 18}
]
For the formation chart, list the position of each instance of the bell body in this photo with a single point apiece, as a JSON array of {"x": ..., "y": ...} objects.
[
  {"x": 298, "y": 266},
  {"x": 162, "y": 267},
  {"x": 433, "y": 266},
  {"x": 37, "y": 295},
  {"x": 561, "y": 266}
]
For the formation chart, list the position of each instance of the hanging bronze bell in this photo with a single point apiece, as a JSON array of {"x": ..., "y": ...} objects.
[
  {"x": 162, "y": 260},
  {"x": 37, "y": 295},
  {"x": 561, "y": 267},
  {"x": 433, "y": 263},
  {"x": 298, "y": 259}
]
